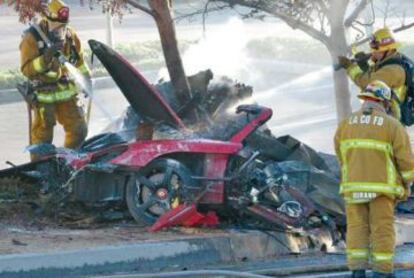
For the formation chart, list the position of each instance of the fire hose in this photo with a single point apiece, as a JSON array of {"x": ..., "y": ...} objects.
[{"x": 26, "y": 91}]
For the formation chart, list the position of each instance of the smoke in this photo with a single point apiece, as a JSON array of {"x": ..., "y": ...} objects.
[{"x": 223, "y": 51}]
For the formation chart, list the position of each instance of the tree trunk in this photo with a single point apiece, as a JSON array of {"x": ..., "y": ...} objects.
[
  {"x": 163, "y": 19},
  {"x": 338, "y": 46},
  {"x": 342, "y": 94}
]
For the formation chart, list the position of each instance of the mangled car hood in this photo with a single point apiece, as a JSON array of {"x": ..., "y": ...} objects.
[{"x": 143, "y": 97}]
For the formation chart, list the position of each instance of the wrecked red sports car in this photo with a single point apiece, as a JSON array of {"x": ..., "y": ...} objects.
[{"x": 209, "y": 170}]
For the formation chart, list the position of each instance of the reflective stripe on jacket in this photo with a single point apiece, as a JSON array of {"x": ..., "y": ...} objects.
[
  {"x": 60, "y": 94},
  {"x": 375, "y": 155}
]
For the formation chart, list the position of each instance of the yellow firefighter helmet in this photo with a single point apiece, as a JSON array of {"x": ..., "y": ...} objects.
[
  {"x": 376, "y": 90},
  {"x": 383, "y": 40},
  {"x": 57, "y": 11}
]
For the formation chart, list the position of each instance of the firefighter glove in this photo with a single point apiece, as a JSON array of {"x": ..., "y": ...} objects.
[
  {"x": 52, "y": 53},
  {"x": 344, "y": 62},
  {"x": 362, "y": 56},
  {"x": 362, "y": 60},
  {"x": 48, "y": 56}
]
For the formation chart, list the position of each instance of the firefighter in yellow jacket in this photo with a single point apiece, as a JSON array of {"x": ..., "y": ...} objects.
[
  {"x": 55, "y": 92},
  {"x": 383, "y": 49},
  {"x": 377, "y": 169}
]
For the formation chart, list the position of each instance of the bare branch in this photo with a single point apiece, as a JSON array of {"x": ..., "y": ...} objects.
[
  {"x": 355, "y": 13},
  {"x": 396, "y": 30},
  {"x": 203, "y": 12},
  {"x": 294, "y": 23},
  {"x": 360, "y": 33},
  {"x": 404, "y": 27},
  {"x": 323, "y": 7},
  {"x": 141, "y": 7},
  {"x": 205, "y": 17},
  {"x": 387, "y": 10}
]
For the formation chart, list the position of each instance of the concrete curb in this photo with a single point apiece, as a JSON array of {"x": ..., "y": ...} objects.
[
  {"x": 156, "y": 256},
  {"x": 142, "y": 257}
]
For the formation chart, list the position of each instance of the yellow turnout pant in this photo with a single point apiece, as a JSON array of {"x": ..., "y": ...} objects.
[
  {"x": 68, "y": 114},
  {"x": 371, "y": 235}
]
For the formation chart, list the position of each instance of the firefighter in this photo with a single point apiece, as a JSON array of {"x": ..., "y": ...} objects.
[
  {"x": 55, "y": 92},
  {"x": 377, "y": 168},
  {"x": 383, "y": 48}
]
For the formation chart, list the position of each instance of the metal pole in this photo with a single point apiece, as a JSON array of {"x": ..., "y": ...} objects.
[{"x": 109, "y": 30}]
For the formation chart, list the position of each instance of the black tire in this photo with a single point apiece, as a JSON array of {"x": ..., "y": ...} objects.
[{"x": 151, "y": 193}]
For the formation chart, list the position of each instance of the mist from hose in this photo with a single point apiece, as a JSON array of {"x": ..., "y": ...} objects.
[
  {"x": 304, "y": 82},
  {"x": 86, "y": 85}
]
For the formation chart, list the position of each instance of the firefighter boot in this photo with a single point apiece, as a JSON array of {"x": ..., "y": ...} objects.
[{"x": 358, "y": 273}]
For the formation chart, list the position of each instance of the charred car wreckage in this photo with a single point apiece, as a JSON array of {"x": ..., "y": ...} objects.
[{"x": 209, "y": 160}]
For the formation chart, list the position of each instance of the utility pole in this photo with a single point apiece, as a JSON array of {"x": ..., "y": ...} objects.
[{"x": 109, "y": 30}]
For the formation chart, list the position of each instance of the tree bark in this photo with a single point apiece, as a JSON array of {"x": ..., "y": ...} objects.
[
  {"x": 338, "y": 46},
  {"x": 342, "y": 94},
  {"x": 163, "y": 19}
]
